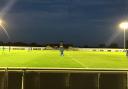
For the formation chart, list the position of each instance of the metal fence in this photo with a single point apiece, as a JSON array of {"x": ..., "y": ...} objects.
[{"x": 37, "y": 78}]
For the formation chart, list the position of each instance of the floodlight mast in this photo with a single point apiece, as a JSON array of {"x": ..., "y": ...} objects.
[{"x": 124, "y": 26}]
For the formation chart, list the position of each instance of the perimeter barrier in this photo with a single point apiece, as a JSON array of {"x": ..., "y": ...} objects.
[
  {"x": 35, "y": 78},
  {"x": 4, "y": 48}
]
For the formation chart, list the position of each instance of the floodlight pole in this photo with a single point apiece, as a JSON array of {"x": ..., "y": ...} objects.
[{"x": 124, "y": 39}]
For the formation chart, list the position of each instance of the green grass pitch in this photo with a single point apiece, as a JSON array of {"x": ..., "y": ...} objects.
[{"x": 71, "y": 59}]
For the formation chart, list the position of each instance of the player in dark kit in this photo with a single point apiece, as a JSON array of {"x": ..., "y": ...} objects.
[
  {"x": 127, "y": 52},
  {"x": 61, "y": 49}
]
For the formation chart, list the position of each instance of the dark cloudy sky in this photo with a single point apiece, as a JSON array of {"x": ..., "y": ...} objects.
[{"x": 79, "y": 22}]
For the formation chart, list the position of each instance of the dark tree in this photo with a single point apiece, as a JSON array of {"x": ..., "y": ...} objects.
[
  {"x": 1, "y": 43},
  {"x": 102, "y": 46},
  {"x": 34, "y": 44},
  {"x": 127, "y": 44},
  {"x": 86, "y": 46},
  {"x": 113, "y": 45},
  {"x": 19, "y": 44}
]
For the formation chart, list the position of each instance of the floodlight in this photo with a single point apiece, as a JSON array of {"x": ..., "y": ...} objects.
[
  {"x": 3, "y": 27},
  {"x": 124, "y": 25},
  {"x": 0, "y": 21}
]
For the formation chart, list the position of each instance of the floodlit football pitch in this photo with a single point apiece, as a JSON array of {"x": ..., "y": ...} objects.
[{"x": 71, "y": 59}]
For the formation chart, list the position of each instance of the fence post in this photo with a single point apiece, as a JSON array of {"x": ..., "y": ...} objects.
[
  {"x": 39, "y": 80},
  {"x": 127, "y": 81},
  {"x": 22, "y": 85},
  {"x": 98, "y": 81},
  {"x": 67, "y": 81},
  {"x": 6, "y": 78}
]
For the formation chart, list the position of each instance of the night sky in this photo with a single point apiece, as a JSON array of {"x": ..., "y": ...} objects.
[{"x": 81, "y": 22}]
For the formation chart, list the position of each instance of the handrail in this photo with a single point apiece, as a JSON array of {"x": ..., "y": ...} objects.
[{"x": 64, "y": 70}]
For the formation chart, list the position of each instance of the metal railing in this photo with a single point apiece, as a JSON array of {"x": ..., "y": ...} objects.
[{"x": 69, "y": 76}]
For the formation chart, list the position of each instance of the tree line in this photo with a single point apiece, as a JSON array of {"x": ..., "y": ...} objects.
[
  {"x": 112, "y": 45},
  {"x": 34, "y": 44}
]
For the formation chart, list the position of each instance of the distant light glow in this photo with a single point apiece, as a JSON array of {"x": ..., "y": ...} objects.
[
  {"x": 1, "y": 25},
  {"x": 0, "y": 21},
  {"x": 124, "y": 25}
]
